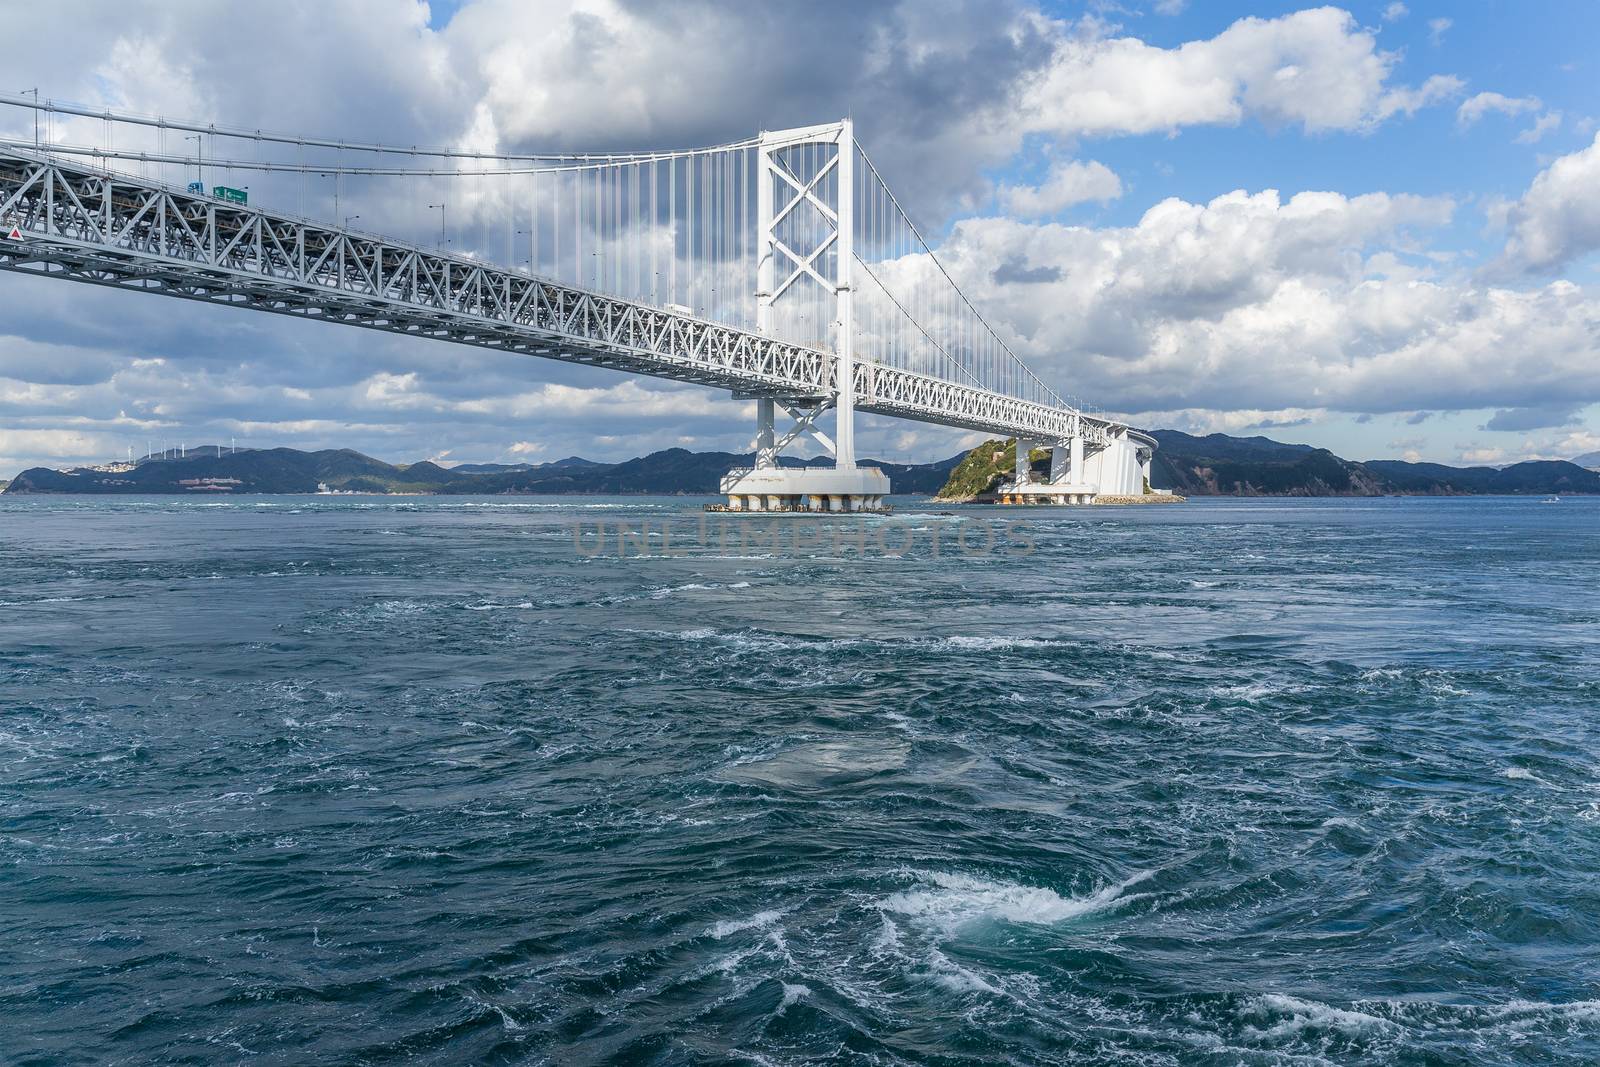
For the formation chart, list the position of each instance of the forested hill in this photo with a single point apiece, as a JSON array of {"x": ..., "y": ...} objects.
[
  {"x": 210, "y": 470},
  {"x": 1215, "y": 465},
  {"x": 1220, "y": 465}
]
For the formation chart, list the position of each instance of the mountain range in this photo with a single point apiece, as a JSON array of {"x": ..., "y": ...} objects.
[
  {"x": 1214, "y": 465},
  {"x": 1220, "y": 465},
  {"x": 288, "y": 470}
]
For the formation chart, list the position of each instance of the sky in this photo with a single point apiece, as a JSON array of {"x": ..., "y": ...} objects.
[{"x": 1371, "y": 227}]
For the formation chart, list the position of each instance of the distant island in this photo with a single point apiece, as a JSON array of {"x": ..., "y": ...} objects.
[
  {"x": 1215, "y": 465},
  {"x": 1220, "y": 465},
  {"x": 214, "y": 470}
]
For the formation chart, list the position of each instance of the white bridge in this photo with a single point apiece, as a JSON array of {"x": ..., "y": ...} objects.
[{"x": 780, "y": 268}]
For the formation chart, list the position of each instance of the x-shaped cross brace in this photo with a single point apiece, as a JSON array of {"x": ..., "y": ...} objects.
[
  {"x": 802, "y": 194},
  {"x": 805, "y": 419}
]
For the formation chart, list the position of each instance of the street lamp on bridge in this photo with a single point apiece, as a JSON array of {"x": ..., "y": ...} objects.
[{"x": 442, "y": 206}]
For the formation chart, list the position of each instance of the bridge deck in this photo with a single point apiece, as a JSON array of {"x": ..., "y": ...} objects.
[{"x": 109, "y": 229}]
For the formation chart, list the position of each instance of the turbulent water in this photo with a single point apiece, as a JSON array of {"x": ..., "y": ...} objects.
[{"x": 361, "y": 780}]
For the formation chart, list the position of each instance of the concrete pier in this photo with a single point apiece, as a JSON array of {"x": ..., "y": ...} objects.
[
  {"x": 815, "y": 489},
  {"x": 1115, "y": 469}
]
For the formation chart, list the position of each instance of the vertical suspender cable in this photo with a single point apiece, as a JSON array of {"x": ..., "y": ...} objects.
[{"x": 672, "y": 215}]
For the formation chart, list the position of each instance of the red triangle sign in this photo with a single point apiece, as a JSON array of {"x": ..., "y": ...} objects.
[{"x": 14, "y": 235}]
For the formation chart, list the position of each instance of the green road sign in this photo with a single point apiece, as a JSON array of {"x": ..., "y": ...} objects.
[{"x": 233, "y": 196}]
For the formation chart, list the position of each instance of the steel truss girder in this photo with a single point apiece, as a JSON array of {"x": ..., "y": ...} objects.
[
  {"x": 131, "y": 233},
  {"x": 908, "y": 395}
]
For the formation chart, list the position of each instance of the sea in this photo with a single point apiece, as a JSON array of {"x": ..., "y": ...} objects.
[{"x": 573, "y": 780}]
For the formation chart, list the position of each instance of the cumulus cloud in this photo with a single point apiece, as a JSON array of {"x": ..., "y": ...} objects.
[
  {"x": 1533, "y": 418},
  {"x": 1545, "y": 123},
  {"x": 1558, "y": 218},
  {"x": 1256, "y": 302},
  {"x": 940, "y": 91},
  {"x": 1068, "y": 183},
  {"x": 1316, "y": 69},
  {"x": 1395, "y": 12},
  {"x": 1017, "y": 272},
  {"x": 1479, "y": 104},
  {"x": 1202, "y": 421},
  {"x": 1407, "y": 101}
]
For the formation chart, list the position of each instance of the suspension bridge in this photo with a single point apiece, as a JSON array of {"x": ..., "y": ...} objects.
[{"x": 781, "y": 268}]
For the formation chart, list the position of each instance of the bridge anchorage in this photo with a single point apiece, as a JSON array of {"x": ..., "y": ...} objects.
[{"x": 641, "y": 263}]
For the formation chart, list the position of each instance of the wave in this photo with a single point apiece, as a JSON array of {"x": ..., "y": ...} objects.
[
  {"x": 756, "y": 640},
  {"x": 1280, "y": 1018},
  {"x": 952, "y": 900},
  {"x": 761, "y": 920},
  {"x": 1290, "y": 1017},
  {"x": 991, "y": 644}
]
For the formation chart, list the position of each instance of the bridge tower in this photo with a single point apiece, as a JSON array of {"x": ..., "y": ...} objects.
[{"x": 805, "y": 259}]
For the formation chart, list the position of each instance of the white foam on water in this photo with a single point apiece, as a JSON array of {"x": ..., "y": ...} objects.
[
  {"x": 1578, "y": 1010},
  {"x": 1434, "y": 682},
  {"x": 1517, "y": 1016},
  {"x": 663, "y": 593},
  {"x": 959, "y": 979},
  {"x": 793, "y": 994},
  {"x": 1295, "y": 1016},
  {"x": 752, "y": 641},
  {"x": 760, "y": 920},
  {"x": 769, "y": 641},
  {"x": 956, "y": 899},
  {"x": 993, "y": 644},
  {"x": 1251, "y": 692},
  {"x": 888, "y": 940},
  {"x": 1521, "y": 774}
]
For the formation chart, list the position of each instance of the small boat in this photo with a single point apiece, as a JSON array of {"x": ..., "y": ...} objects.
[{"x": 1551, "y": 500}]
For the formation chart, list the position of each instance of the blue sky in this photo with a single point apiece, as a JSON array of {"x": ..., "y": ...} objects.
[
  {"x": 1535, "y": 50},
  {"x": 1490, "y": 45},
  {"x": 1368, "y": 226}
]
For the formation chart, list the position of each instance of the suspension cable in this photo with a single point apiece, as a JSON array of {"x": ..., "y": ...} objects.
[
  {"x": 964, "y": 298},
  {"x": 599, "y": 163},
  {"x": 241, "y": 133}
]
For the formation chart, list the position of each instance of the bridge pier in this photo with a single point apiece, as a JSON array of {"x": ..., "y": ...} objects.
[
  {"x": 1082, "y": 471},
  {"x": 805, "y": 489},
  {"x": 781, "y": 190}
]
